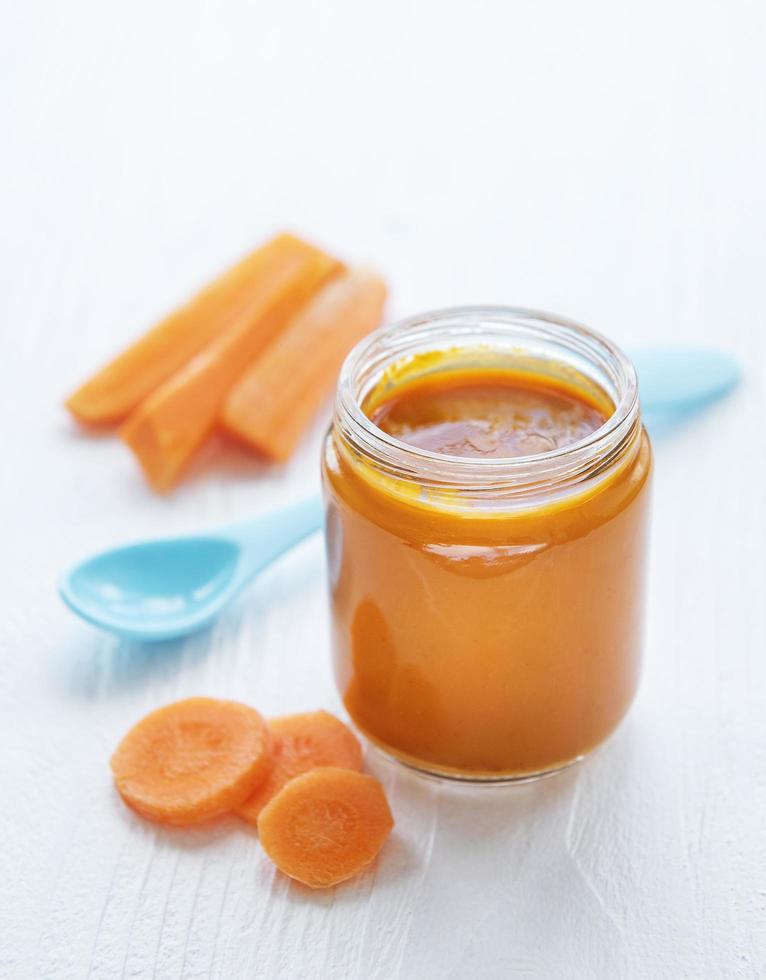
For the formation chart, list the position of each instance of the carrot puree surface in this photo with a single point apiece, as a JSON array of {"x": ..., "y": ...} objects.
[
  {"x": 498, "y": 416},
  {"x": 486, "y": 642}
]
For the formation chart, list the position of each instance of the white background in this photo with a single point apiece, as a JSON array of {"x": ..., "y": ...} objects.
[{"x": 601, "y": 160}]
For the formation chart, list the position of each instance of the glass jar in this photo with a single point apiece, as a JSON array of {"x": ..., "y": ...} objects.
[{"x": 487, "y": 613}]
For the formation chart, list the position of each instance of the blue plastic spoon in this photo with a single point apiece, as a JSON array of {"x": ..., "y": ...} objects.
[
  {"x": 675, "y": 382},
  {"x": 161, "y": 590}
]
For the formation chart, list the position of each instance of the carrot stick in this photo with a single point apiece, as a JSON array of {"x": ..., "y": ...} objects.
[
  {"x": 111, "y": 394},
  {"x": 166, "y": 429},
  {"x": 192, "y": 760},
  {"x": 300, "y": 743},
  {"x": 325, "y": 826},
  {"x": 273, "y": 402}
]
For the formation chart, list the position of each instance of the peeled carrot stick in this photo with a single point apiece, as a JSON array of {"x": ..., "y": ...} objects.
[
  {"x": 111, "y": 394},
  {"x": 167, "y": 429},
  {"x": 300, "y": 743},
  {"x": 192, "y": 760},
  {"x": 273, "y": 402},
  {"x": 325, "y": 826}
]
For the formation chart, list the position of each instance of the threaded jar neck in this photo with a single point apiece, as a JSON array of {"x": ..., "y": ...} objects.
[{"x": 496, "y": 337}]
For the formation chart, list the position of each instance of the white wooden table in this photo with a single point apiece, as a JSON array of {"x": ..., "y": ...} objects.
[{"x": 602, "y": 160}]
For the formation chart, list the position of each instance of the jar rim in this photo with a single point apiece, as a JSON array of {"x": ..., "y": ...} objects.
[{"x": 572, "y": 461}]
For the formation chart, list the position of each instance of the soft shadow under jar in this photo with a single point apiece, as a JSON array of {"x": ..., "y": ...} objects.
[{"x": 487, "y": 481}]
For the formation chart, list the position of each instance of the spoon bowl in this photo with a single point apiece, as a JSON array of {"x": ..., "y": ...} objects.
[{"x": 165, "y": 589}]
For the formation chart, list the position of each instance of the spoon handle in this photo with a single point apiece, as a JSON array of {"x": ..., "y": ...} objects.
[
  {"x": 265, "y": 538},
  {"x": 683, "y": 378}
]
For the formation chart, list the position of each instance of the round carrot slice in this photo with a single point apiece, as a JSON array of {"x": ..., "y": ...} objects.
[
  {"x": 325, "y": 826},
  {"x": 192, "y": 760},
  {"x": 300, "y": 743}
]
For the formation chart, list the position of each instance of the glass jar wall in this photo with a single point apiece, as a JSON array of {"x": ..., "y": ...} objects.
[{"x": 487, "y": 612}]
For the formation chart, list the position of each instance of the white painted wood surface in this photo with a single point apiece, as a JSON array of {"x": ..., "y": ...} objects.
[{"x": 603, "y": 160}]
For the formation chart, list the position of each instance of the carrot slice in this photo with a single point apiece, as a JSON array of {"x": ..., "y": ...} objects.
[
  {"x": 167, "y": 429},
  {"x": 111, "y": 394},
  {"x": 192, "y": 760},
  {"x": 300, "y": 743},
  {"x": 273, "y": 402},
  {"x": 325, "y": 826}
]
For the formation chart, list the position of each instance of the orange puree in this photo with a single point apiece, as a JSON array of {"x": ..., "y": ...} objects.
[
  {"x": 487, "y": 641},
  {"x": 489, "y": 414}
]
